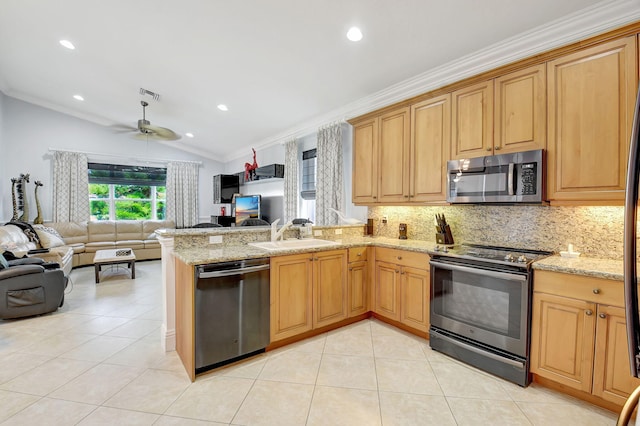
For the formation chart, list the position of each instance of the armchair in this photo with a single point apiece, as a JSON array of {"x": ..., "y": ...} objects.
[{"x": 30, "y": 287}]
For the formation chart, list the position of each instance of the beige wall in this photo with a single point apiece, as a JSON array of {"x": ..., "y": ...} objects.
[{"x": 594, "y": 231}]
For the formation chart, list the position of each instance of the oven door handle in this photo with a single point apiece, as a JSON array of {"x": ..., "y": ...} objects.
[
  {"x": 512, "y": 362},
  {"x": 479, "y": 271}
]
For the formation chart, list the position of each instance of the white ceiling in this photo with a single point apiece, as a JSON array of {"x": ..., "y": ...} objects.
[{"x": 280, "y": 65}]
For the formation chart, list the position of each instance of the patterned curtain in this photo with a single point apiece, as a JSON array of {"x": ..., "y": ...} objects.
[
  {"x": 329, "y": 186},
  {"x": 291, "y": 188},
  {"x": 182, "y": 193},
  {"x": 70, "y": 187}
]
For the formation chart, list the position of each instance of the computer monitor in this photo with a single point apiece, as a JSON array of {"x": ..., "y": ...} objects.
[{"x": 247, "y": 206}]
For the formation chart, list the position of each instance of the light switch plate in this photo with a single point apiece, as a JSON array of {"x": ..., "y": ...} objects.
[{"x": 215, "y": 239}]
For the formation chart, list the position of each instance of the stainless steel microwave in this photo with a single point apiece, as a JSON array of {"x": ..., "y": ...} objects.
[{"x": 505, "y": 178}]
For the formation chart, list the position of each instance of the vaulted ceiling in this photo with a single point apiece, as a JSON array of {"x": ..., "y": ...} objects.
[{"x": 281, "y": 66}]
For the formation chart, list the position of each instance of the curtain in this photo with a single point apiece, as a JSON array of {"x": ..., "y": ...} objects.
[
  {"x": 329, "y": 185},
  {"x": 70, "y": 187},
  {"x": 291, "y": 190},
  {"x": 182, "y": 193}
]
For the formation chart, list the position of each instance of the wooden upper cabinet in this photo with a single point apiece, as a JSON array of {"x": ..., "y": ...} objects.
[
  {"x": 365, "y": 161},
  {"x": 393, "y": 156},
  {"x": 472, "y": 121},
  {"x": 520, "y": 113},
  {"x": 591, "y": 101},
  {"x": 430, "y": 147}
]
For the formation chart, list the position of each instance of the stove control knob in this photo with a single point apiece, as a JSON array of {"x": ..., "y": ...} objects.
[
  {"x": 436, "y": 248},
  {"x": 522, "y": 258},
  {"x": 510, "y": 258},
  {"x": 445, "y": 250}
]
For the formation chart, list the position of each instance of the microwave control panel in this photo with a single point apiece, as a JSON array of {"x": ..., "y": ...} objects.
[{"x": 528, "y": 178}]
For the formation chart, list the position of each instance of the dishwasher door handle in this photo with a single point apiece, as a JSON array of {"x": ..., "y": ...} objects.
[{"x": 231, "y": 272}]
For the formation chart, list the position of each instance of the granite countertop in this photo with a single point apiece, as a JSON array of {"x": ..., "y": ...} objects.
[
  {"x": 609, "y": 269},
  {"x": 224, "y": 253}
]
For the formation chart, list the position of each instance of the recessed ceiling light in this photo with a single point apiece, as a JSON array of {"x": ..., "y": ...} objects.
[
  {"x": 189, "y": 135},
  {"x": 223, "y": 107},
  {"x": 354, "y": 34},
  {"x": 78, "y": 97},
  {"x": 67, "y": 44}
]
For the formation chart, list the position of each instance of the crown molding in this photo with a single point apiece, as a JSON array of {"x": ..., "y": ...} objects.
[{"x": 599, "y": 18}]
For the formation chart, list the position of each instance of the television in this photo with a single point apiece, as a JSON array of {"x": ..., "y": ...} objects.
[{"x": 247, "y": 206}]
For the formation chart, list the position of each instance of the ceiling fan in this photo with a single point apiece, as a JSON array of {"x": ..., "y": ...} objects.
[{"x": 146, "y": 131}]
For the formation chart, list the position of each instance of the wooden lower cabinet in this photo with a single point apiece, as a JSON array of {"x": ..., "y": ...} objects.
[
  {"x": 580, "y": 343},
  {"x": 402, "y": 288},
  {"x": 291, "y": 295},
  {"x": 357, "y": 293},
  {"x": 307, "y": 291}
]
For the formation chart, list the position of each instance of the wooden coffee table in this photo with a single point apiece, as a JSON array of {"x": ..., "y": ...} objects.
[{"x": 109, "y": 257}]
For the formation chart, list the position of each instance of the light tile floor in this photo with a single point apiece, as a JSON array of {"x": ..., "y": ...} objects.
[{"x": 98, "y": 360}]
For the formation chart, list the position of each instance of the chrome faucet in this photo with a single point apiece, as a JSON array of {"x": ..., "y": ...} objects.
[{"x": 277, "y": 234}]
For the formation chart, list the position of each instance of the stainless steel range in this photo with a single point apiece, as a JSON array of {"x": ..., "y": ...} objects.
[{"x": 481, "y": 307}]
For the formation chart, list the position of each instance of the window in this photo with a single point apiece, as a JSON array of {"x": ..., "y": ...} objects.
[
  {"x": 118, "y": 192},
  {"x": 308, "y": 187}
]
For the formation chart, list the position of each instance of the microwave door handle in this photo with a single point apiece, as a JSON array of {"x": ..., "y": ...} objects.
[{"x": 510, "y": 179}]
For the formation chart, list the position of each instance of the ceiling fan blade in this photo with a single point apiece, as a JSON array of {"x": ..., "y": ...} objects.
[{"x": 157, "y": 133}]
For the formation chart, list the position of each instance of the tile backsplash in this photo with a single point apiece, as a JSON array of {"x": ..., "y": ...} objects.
[{"x": 594, "y": 231}]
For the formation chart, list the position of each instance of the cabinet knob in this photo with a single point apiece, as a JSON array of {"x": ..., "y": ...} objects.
[
  {"x": 360, "y": 254},
  {"x": 351, "y": 269},
  {"x": 397, "y": 271},
  {"x": 602, "y": 315},
  {"x": 399, "y": 257},
  {"x": 406, "y": 196},
  {"x": 497, "y": 148},
  {"x": 488, "y": 148},
  {"x": 588, "y": 312},
  {"x": 315, "y": 258},
  {"x": 596, "y": 291},
  {"x": 374, "y": 197}
]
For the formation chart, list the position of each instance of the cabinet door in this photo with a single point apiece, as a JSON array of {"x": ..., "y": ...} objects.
[
  {"x": 520, "y": 111},
  {"x": 414, "y": 300},
  {"x": 357, "y": 290},
  {"x": 562, "y": 340},
  {"x": 430, "y": 148},
  {"x": 387, "y": 290},
  {"x": 291, "y": 295},
  {"x": 591, "y": 101},
  {"x": 472, "y": 125},
  {"x": 393, "y": 157},
  {"x": 329, "y": 287},
  {"x": 611, "y": 377},
  {"x": 365, "y": 162}
]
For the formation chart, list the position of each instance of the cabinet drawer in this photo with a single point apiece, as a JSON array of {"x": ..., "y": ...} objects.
[
  {"x": 403, "y": 257},
  {"x": 357, "y": 254},
  {"x": 591, "y": 289}
]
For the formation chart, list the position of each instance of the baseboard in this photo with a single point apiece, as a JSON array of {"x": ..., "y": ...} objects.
[{"x": 168, "y": 339}]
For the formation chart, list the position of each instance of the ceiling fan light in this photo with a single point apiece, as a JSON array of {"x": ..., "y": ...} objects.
[
  {"x": 67, "y": 44},
  {"x": 354, "y": 34},
  {"x": 223, "y": 107}
]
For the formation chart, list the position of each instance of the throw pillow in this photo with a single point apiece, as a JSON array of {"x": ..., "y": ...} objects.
[
  {"x": 48, "y": 229},
  {"x": 48, "y": 240}
]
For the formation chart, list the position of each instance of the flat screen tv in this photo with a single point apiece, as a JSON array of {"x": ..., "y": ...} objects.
[{"x": 247, "y": 206}]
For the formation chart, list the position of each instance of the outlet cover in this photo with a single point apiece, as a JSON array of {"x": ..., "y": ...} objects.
[
  {"x": 317, "y": 233},
  {"x": 338, "y": 231},
  {"x": 215, "y": 239}
]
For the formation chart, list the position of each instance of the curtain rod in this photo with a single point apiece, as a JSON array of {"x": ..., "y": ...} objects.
[{"x": 147, "y": 160}]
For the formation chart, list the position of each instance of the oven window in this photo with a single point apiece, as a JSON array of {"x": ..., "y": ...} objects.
[{"x": 486, "y": 302}]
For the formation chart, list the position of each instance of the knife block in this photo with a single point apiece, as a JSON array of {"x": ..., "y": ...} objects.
[{"x": 444, "y": 237}]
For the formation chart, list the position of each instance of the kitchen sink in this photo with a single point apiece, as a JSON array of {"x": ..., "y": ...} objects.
[{"x": 294, "y": 244}]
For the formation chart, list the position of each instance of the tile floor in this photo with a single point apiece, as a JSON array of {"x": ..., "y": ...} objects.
[{"x": 98, "y": 360}]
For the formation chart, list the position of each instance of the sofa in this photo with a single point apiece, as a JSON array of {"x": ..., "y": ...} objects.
[
  {"x": 73, "y": 244},
  {"x": 30, "y": 287}
]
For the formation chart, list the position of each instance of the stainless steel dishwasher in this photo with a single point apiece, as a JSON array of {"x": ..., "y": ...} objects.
[{"x": 231, "y": 311}]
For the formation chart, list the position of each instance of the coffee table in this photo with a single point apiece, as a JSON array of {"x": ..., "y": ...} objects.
[{"x": 109, "y": 257}]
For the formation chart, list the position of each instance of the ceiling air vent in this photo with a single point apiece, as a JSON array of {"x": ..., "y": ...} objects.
[{"x": 155, "y": 96}]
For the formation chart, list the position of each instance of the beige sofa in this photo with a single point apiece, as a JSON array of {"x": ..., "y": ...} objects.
[
  {"x": 85, "y": 238},
  {"x": 81, "y": 240},
  {"x": 13, "y": 239}
]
